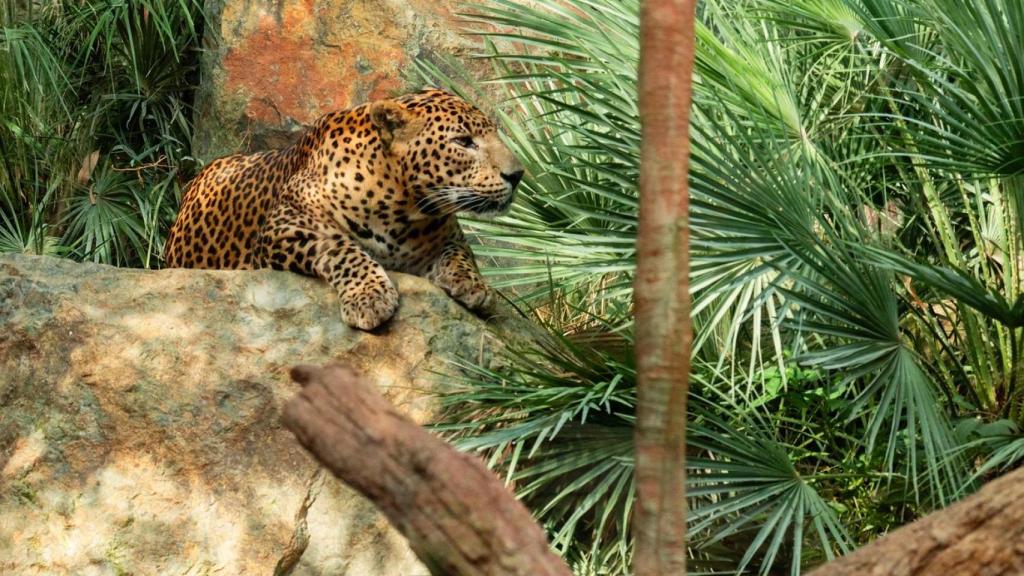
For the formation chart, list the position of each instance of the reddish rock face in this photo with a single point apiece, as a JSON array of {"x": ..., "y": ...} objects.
[{"x": 273, "y": 66}]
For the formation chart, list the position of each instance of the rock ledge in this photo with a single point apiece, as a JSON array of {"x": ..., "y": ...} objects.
[{"x": 139, "y": 418}]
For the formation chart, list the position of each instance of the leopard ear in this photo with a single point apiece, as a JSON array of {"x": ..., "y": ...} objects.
[{"x": 391, "y": 119}]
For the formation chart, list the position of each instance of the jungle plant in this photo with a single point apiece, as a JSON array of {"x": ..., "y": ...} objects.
[
  {"x": 95, "y": 129},
  {"x": 856, "y": 187}
]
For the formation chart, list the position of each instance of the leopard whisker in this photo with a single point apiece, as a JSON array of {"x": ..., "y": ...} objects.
[{"x": 445, "y": 200}]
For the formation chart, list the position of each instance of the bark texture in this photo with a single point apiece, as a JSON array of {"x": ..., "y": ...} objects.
[
  {"x": 459, "y": 518},
  {"x": 981, "y": 536},
  {"x": 663, "y": 337}
]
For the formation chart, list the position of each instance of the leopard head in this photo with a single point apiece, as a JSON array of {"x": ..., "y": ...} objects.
[{"x": 450, "y": 153}]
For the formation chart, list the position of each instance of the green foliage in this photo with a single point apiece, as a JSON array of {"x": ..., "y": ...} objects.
[
  {"x": 856, "y": 215},
  {"x": 95, "y": 101}
]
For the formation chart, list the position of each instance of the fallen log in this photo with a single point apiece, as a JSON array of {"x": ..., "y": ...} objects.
[
  {"x": 983, "y": 535},
  {"x": 458, "y": 516}
]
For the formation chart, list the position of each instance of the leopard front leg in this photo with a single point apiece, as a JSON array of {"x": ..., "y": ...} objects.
[
  {"x": 455, "y": 271},
  {"x": 368, "y": 298}
]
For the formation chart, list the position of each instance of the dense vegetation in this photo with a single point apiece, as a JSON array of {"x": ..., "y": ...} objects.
[
  {"x": 857, "y": 219},
  {"x": 857, "y": 179},
  {"x": 95, "y": 125}
]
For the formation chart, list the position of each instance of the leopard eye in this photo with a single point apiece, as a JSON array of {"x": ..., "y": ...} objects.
[{"x": 465, "y": 142}]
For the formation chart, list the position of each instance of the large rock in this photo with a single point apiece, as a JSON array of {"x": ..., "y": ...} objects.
[
  {"x": 139, "y": 419},
  {"x": 271, "y": 66}
]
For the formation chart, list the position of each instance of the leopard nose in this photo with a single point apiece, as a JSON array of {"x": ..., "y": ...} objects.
[{"x": 513, "y": 178}]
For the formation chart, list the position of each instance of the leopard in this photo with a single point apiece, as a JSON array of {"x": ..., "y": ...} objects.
[{"x": 377, "y": 187}]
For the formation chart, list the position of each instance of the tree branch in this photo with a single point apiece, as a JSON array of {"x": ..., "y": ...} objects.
[
  {"x": 458, "y": 517},
  {"x": 983, "y": 534}
]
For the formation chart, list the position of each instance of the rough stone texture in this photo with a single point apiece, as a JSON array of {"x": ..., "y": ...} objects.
[
  {"x": 139, "y": 418},
  {"x": 272, "y": 66}
]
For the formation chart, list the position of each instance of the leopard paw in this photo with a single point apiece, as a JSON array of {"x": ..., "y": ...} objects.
[
  {"x": 369, "y": 307},
  {"x": 477, "y": 296}
]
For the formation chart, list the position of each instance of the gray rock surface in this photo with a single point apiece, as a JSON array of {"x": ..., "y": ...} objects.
[{"x": 139, "y": 418}]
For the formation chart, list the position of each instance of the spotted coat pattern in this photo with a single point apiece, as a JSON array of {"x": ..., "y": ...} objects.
[{"x": 365, "y": 190}]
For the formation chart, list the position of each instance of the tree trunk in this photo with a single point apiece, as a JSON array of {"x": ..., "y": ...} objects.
[
  {"x": 458, "y": 517},
  {"x": 983, "y": 535},
  {"x": 663, "y": 337}
]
